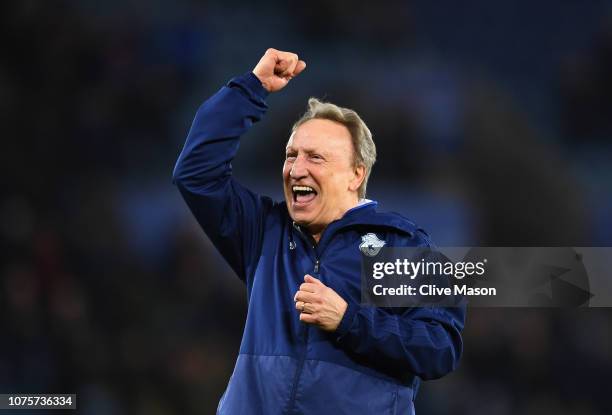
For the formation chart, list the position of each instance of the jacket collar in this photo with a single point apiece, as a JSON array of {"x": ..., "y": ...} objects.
[{"x": 366, "y": 215}]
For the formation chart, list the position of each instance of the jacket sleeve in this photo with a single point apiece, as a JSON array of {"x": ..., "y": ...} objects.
[
  {"x": 425, "y": 341},
  {"x": 231, "y": 215}
]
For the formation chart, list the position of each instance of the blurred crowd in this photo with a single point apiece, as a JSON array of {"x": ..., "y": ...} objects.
[{"x": 493, "y": 124}]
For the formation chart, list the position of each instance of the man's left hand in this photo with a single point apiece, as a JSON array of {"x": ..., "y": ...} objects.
[{"x": 319, "y": 305}]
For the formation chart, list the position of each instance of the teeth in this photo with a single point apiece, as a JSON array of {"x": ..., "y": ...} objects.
[{"x": 302, "y": 189}]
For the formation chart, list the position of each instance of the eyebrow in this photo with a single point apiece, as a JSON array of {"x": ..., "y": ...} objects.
[{"x": 306, "y": 150}]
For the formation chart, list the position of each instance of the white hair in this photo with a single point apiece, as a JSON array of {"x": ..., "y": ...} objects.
[{"x": 364, "y": 150}]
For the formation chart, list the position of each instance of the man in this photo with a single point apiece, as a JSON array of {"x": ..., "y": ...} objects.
[{"x": 309, "y": 346}]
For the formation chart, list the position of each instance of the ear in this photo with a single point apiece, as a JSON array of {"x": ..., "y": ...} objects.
[{"x": 359, "y": 175}]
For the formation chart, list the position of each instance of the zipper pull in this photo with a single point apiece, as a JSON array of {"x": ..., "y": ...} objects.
[{"x": 316, "y": 267}]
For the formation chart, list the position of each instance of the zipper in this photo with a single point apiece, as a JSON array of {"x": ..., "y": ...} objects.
[
  {"x": 298, "y": 372},
  {"x": 312, "y": 244}
]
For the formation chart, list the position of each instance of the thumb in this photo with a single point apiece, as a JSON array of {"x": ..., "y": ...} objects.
[
  {"x": 309, "y": 278},
  {"x": 301, "y": 65}
]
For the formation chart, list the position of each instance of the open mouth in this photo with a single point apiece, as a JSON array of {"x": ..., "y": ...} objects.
[{"x": 303, "y": 194}]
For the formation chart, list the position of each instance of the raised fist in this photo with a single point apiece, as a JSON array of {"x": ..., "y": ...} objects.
[{"x": 276, "y": 68}]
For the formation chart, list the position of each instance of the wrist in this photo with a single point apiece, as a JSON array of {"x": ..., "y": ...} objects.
[
  {"x": 262, "y": 82},
  {"x": 251, "y": 86},
  {"x": 347, "y": 320}
]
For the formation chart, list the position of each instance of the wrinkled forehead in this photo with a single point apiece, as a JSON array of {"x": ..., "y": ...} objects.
[{"x": 321, "y": 135}]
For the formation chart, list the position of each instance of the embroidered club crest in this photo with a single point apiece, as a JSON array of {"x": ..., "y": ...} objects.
[{"x": 370, "y": 244}]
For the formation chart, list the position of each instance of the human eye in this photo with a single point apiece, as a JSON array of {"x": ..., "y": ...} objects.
[
  {"x": 290, "y": 156},
  {"x": 316, "y": 157}
]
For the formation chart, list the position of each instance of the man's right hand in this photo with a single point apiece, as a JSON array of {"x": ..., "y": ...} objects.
[{"x": 276, "y": 68}]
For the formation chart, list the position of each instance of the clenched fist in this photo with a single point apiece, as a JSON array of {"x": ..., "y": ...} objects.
[
  {"x": 319, "y": 305},
  {"x": 276, "y": 68}
]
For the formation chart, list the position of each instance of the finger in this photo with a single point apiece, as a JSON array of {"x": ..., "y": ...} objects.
[
  {"x": 308, "y": 318},
  {"x": 290, "y": 62},
  {"x": 299, "y": 67},
  {"x": 300, "y": 293},
  {"x": 309, "y": 278},
  {"x": 281, "y": 66},
  {"x": 273, "y": 54},
  {"x": 307, "y": 297},
  {"x": 293, "y": 61},
  {"x": 308, "y": 287},
  {"x": 303, "y": 307},
  {"x": 285, "y": 68}
]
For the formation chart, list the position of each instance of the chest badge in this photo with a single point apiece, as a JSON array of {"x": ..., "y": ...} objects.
[{"x": 370, "y": 244}]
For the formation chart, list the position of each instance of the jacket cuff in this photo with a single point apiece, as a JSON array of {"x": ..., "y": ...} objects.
[
  {"x": 251, "y": 85},
  {"x": 347, "y": 320}
]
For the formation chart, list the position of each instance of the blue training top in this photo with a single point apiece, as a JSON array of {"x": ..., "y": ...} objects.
[{"x": 372, "y": 363}]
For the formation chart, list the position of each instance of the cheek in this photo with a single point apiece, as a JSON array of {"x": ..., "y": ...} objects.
[{"x": 336, "y": 184}]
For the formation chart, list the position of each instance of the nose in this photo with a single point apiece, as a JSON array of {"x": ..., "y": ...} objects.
[{"x": 298, "y": 169}]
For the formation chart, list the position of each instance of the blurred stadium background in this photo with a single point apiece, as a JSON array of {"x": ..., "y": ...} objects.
[{"x": 493, "y": 122}]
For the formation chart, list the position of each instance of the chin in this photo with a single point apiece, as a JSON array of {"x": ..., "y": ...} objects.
[{"x": 300, "y": 219}]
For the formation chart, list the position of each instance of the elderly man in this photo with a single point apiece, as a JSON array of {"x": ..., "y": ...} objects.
[{"x": 309, "y": 345}]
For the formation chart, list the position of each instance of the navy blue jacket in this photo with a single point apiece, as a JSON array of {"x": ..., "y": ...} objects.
[{"x": 372, "y": 363}]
